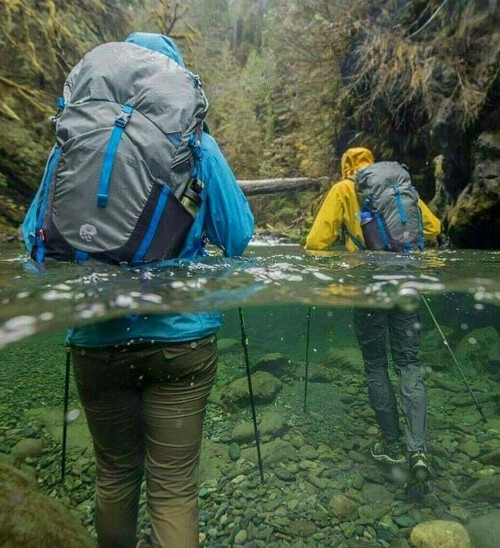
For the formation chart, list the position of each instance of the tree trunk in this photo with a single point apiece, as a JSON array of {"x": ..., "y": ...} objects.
[{"x": 270, "y": 186}]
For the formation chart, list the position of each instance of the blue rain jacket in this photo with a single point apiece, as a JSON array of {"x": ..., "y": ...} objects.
[{"x": 224, "y": 217}]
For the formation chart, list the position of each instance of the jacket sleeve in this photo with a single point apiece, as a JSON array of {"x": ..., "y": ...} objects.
[
  {"x": 29, "y": 224},
  {"x": 432, "y": 225},
  {"x": 229, "y": 223},
  {"x": 328, "y": 223}
]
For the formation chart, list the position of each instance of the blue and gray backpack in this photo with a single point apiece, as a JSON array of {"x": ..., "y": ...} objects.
[
  {"x": 390, "y": 215},
  {"x": 120, "y": 183}
]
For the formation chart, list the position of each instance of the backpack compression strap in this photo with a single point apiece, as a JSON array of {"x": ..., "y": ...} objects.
[
  {"x": 109, "y": 157},
  {"x": 421, "y": 240},
  {"x": 355, "y": 240}
]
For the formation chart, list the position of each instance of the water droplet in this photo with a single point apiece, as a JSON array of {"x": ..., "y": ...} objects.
[{"x": 46, "y": 316}]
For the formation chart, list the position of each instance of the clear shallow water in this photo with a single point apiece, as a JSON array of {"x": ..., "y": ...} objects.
[
  {"x": 38, "y": 298},
  {"x": 318, "y": 455}
]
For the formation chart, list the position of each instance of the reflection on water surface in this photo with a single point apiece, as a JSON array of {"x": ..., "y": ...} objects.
[{"x": 37, "y": 298}]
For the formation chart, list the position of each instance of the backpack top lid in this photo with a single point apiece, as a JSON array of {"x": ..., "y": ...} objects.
[
  {"x": 157, "y": 42},
  {"x": 165, "y": 98},
  {"x": 373, "y": 181}
]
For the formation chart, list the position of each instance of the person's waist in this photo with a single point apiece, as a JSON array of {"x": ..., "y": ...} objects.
[{"x": 138, "y": 346}]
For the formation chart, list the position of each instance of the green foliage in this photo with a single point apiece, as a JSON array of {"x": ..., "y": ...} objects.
[
  {"x": 235, "y": 103},
  {"x": 422, "y": 65},
  {"x": 302, "y": 48}
]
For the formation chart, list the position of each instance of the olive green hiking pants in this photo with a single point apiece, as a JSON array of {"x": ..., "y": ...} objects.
[
  {"x": 373, "y": 328},
  {"x": 145, "y": 410}
]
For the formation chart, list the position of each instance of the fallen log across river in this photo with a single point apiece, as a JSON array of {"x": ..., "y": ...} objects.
[{"x": 270, "y": 186}]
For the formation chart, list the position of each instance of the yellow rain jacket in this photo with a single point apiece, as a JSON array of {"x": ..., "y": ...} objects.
[{"x": 341, "y": 208}]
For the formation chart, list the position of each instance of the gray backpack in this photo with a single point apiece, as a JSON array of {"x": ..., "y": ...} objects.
[
  {"x": 119, "y": 185},
  {"x": 390, "y": 215}
]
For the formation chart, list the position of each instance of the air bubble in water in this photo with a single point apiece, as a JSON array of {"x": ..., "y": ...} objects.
[
  {"x": 72, "y": 415},
  {"x": 408, "y": 299}
]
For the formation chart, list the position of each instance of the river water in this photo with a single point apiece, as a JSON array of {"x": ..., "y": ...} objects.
[{"x": 321, "y": 488}]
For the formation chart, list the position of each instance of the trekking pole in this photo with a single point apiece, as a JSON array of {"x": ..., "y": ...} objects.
[
  {"x": 244, "y": 342},
  {"x": 447, "y": 344},
  {"x": 308, "y": 332},
  {"x": 65, "y": 418}
]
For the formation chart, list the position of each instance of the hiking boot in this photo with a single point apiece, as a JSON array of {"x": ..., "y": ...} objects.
[
  {"x": 388, "y": 451},
  {"x": 419, "y": 468}
]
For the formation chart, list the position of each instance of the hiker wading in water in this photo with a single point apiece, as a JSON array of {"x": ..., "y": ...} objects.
[
  {"x": 340, "y": 214},
  {"x": 144, "y": 380}
]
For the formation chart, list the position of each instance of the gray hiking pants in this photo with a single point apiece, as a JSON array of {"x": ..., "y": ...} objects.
[{"x": 372, "y": 328}]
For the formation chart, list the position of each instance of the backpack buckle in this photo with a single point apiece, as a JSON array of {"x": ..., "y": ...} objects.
[
  {"x": 122, "y": 120},
  {"x": 124, "y": 117}
]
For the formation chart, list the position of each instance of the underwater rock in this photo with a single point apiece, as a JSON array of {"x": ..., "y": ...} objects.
[
  {"x": 493, "y": 457},
  {"x": 32, "y": 520},
  {"x": 228, "y": 345},
  {"x": 345, "y": 358},
  {"x": 480, "y": 350},
  {"x": 271, "y": 452},
  {"x": 27, "y": 447},
  {"x": 471, "y": 448},
  {"x": 285, "y": 474},
  {"x": 214, "y": 461},
  {"x": 265, "y": 387},
  {"x": 377, "y": 494},
  {"x": 439, "y": 534},
  {"x": 447, "y": 385},
  {"x": 79, "y": 437},
  {"x": 271, "y": 424},
  {"x": 278, "y": 365},
  {"x": 234, "y": 451},
  {"x": 243, "y": 433},
  {"x": 432, "y": 351},
  {"x": 343, "y": 507},
  {"x": 320, "y": 373},
  {"x": 485, "y": 530},
  {"x": 487, "y": 489}
]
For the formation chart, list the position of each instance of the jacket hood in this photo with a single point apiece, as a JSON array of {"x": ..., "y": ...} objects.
[
  {"x": 354, "y": 159},
  {"x": 157, "y": 42}
]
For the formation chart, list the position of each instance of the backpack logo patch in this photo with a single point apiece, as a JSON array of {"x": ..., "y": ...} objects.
[{"x": 87, "y": 232}]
